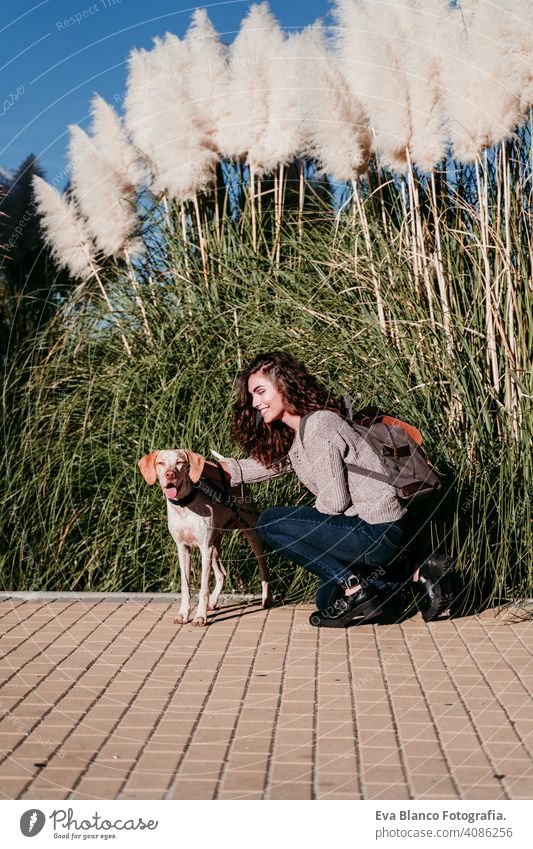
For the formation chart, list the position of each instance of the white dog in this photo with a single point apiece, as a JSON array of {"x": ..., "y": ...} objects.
[{"x": 196, "y": 519}]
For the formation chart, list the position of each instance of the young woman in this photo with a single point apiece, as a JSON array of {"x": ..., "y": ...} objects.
[{"x": 353, "y": 538}]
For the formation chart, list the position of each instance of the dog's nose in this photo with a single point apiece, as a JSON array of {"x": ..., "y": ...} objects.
[{"x": 169, "y": 474}]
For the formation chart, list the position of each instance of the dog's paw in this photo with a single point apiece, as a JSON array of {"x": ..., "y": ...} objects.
[
  {"x": 181, "y": 619},
  {"x": 213, "y": 604},
  {"x": 198, "y": 621},
  {"x": 267, "y": 599}
]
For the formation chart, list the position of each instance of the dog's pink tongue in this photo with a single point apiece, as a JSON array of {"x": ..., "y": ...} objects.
[{"x": 170, "y": 491}]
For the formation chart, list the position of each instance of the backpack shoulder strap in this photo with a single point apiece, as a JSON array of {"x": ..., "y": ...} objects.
[
  {"x": 348, "y": 407},
  {"x": 303, "y": 423},
  {"x": 362, "y": 431},
  {"x": 360, "y": 470},
  {"x": 301, "y": 427}
]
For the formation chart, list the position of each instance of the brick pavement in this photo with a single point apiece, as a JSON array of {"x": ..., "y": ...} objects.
[{"x": 107, "y": 698}]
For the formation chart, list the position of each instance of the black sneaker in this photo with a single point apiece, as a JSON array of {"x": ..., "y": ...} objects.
[
  {"x": 362, "y": 606},
  {"x": 435, "y": 585}
]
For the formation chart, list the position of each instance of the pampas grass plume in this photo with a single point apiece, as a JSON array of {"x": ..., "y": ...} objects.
[
  {"x": 285, "y": 136},
  {"x": 517, "y": 19},
  {"x": 111, "y": 140},
  {"x": 483, "y": 91},
  {"x": 104, "y": 195},
  {"x": 163, "y": 120},
  {"x": 369, "y": 46},
  {"x": 64, "y": 230},
  {"x": 335, "y": 119},
  {"x": 207, "y": 74},
  {"x": 141, "y": 118},
  {"x": 244, "y": 124},
  {"x": 420, "y": 25}
]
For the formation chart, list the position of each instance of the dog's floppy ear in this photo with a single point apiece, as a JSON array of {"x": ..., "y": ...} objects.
[
  {"x": 196, "y": 465},
  {"x": 147, "y": 466}
]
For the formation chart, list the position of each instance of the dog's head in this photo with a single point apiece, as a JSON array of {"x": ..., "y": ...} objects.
[{"x": 173, "y": 469}]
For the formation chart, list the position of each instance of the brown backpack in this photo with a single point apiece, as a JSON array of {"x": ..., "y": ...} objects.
[{"x": 399, "y": 447}]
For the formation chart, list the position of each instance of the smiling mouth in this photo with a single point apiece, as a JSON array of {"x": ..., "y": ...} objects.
[{"x": 170, "y": 490}]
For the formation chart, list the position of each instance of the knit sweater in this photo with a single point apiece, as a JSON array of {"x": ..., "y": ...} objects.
[{"x": 321, "y": 465}]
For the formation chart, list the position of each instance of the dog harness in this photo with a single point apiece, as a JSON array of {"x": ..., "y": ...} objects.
[{"x": 220, "y": 496}]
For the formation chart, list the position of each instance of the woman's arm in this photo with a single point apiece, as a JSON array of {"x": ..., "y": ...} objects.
[
  {"x": 245, "y": 471},
  {"x": 333, "y": 495},
  {"x": 325, "y": 446}
]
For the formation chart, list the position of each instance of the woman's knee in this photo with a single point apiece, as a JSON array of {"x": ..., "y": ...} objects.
[{"x": 270, "y": 521}]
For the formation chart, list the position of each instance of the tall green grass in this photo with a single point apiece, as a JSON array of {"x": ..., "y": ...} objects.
[{"x": 416, "y": 296}]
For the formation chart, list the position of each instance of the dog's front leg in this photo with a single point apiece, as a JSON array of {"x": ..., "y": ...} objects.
[
  {"x": 201, "y": 614},
  {"x": 184, "y": 555}
]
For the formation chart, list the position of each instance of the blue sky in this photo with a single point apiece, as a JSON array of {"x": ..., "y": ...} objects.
[{"x": 56, "y": 53}]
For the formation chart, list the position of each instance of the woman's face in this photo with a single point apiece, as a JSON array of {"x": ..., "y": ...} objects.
[{"x": 266, "y": 397}]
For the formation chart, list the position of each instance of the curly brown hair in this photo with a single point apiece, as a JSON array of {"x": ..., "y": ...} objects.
[{"x": 301, "y": 392}]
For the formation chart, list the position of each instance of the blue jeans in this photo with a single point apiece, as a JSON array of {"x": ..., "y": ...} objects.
[{"x": 336, "y": 547}]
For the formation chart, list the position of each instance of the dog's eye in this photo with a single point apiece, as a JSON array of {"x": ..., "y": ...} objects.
[{"x": 159, "y": 463}]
